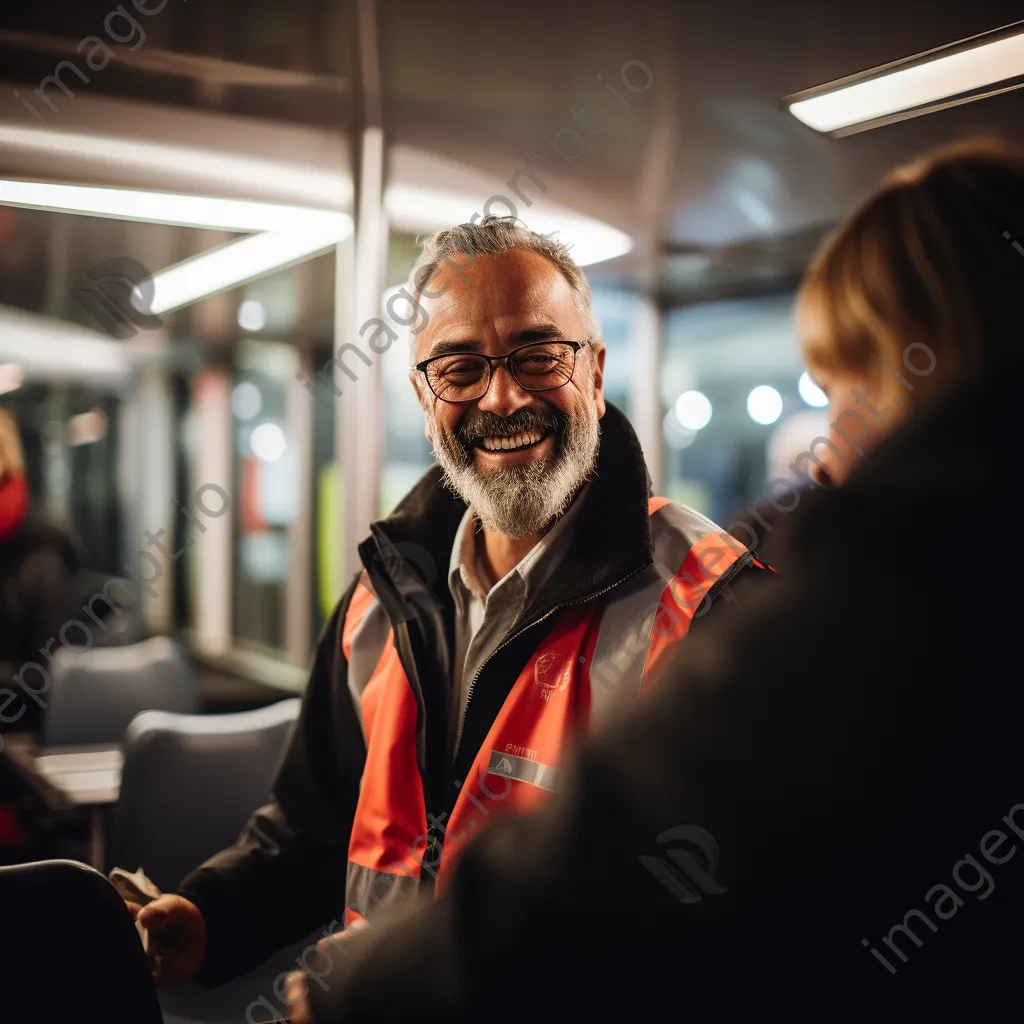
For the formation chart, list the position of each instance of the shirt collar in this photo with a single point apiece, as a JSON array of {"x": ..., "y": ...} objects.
[{"x": 538, "y": 563}]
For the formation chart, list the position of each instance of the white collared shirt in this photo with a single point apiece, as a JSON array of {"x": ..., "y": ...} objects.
[{"x": 485, "y": 610}]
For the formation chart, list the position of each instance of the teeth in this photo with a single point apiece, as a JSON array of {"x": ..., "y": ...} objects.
[{"x": 504, "y": 444}]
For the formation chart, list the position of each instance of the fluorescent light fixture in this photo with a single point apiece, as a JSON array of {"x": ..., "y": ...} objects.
[
  {"x": 231, "y": 264},
  {"x": 323, "y": 188},
  {"x": 160, "y": 207},
  {"x": 915, "y": 85},
  {"x": 285, "y": 233},
  {"x": 411, "y": 208}
]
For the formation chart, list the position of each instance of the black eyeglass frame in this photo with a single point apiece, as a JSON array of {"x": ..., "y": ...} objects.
[{"x": 505, "y": 361}]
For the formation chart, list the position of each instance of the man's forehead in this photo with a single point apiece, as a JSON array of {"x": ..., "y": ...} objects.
[{"x": 500, "y": 293}]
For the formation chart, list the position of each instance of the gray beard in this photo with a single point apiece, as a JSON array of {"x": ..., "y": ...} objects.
[{"x": 521, "y": 501}]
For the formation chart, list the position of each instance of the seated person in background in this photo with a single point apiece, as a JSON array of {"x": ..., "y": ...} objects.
[
  {"x": 818, "y": 811},
  {"x": 38, "y": 584},
  {"x": 527, "y": 584},
  {"x": 38, "y": 595}
]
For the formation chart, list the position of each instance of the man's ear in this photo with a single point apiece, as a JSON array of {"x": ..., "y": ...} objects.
[
  {"x": 597, "y": 353},
  {"x": 423, "y": 396}
]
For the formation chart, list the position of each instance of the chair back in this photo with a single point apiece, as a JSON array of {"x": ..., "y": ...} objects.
[
  {"x": 94, "y": 694},
  {"x": 69, "y": 949},
  {"x": 190, "y": 783}
]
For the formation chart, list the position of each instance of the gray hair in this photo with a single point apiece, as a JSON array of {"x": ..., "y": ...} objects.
[{"x": 459, "y": 247}]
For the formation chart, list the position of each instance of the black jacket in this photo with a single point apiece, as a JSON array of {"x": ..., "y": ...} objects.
[
  {"x": 286, "y": 874},
  {"x": 38, "y": 595},
  {"x": 851, "y": 736}
]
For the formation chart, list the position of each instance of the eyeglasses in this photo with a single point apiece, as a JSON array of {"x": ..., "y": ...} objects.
[{"x": 466, "y": 376}]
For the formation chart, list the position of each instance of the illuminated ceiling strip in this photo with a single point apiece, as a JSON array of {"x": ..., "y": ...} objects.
[
  {"x": 883, "y": 95},
  {"x": 420, "y": 209},
  {"x": 282, "y": 234},
  {"x": 237, "y": 262},
  {"x": 322, "y": 188},
  {"x": 158, "y": 207}
]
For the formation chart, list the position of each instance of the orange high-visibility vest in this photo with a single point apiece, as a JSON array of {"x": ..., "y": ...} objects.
[{"x": 596, "y": 654}]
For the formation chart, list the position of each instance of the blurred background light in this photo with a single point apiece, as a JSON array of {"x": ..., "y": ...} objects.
[
  {"x": 764, "y": 404},
  {"x": 87, "y": 428},
  {"x": 810, "y": 392},
  {"x": 693, "y": 410},
  {"x": 246, "y": 400},
  {"x": 11, "y": 377},
  {"x": 268, "y": 442},
  {"x": 251, "y": 315},
  {"x": 677, "y": 437}
]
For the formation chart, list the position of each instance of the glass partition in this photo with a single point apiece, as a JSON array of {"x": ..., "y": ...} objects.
[{"x": 730, "y": 392}]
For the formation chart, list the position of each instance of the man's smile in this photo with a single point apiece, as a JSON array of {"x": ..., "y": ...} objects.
[
  {"x": 522, "y": 447},
  {"x": 514, "y": 442}
]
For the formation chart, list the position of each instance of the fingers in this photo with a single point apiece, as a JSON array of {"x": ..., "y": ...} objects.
[
  {"x": 133, "y": 909},
  {"x": 161, "y": 912},
  {"x": 177, "y": 938},
  {"x": 297, "y": 993}
]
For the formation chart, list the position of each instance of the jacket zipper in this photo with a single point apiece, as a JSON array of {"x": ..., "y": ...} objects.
[{"x": 515, "y": 636}]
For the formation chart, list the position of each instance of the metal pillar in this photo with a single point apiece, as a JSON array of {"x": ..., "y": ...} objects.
[{"x": 361, "y": 262}]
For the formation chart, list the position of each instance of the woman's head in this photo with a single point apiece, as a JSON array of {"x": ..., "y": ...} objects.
[
  {"x": 920, "y": 288},
  {"x": 12, "y": 462}
]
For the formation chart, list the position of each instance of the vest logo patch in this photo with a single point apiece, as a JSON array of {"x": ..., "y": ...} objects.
[
  {"x": 551, "y": 673},
  {"x": 528, "y": 752}
]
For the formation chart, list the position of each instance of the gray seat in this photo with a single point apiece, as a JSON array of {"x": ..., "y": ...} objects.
[
  {"x": 189, "y": 784},
  {"x": 94, "y": 694}
]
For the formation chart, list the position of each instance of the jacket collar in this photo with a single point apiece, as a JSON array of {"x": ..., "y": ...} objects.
[{"x": 611, "y": 540}]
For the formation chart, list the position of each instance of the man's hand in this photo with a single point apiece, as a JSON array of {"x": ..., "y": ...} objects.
[{"x": 177, "y": 937}]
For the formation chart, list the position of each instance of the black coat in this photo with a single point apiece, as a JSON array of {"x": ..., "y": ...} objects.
[
  {"x": 38, "y": 595},
  {"x": 851, "y": 735}
]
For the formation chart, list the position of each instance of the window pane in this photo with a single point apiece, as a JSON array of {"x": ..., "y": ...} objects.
[
  {"x": 614, "y": 310},
  {"x": 723, "y": 351},
  {"x": 267, "y": 484}
]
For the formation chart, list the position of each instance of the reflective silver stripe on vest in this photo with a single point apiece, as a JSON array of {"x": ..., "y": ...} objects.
[
  {"x": 624, "y": 637},
  {"x": 522, "y": 769},
  {"x": 367, "y": 644},
  {"x": 617, "y": 671},
  {"x": 674, "y": 530},
  {"x": 368, "y": 892}
]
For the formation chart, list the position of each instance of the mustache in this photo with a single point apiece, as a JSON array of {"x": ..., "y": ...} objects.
[{"x": 488, "y": 424}]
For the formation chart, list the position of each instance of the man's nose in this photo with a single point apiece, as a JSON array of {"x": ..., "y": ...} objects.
[{"x": 504, "y": 395}]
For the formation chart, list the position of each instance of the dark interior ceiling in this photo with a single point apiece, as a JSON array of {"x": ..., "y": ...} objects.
[{"x": 725, "y": 191}]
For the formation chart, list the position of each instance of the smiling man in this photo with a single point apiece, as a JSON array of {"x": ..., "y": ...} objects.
[{"x": 518, "y": 594}]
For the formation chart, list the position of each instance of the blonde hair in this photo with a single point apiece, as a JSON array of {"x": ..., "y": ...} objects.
[
  {"x": 927, "y": 260},
  {"x": 12, "y": 460}
]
